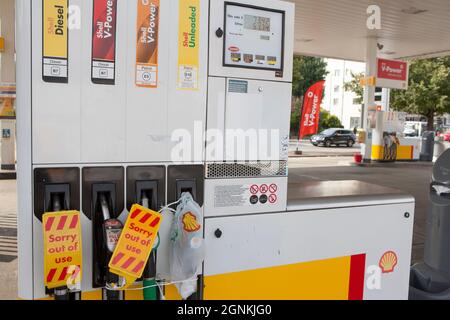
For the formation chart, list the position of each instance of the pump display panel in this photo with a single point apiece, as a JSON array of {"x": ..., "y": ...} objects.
[{"x": 254, "y": 37}]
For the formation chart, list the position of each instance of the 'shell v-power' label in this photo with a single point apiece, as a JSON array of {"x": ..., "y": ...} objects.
[
  {"x": 104, "y": 41},
  {"x": 147, "y": 43}
]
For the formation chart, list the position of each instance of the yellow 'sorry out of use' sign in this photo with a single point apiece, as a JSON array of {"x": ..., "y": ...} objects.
[
  {"x": 135, "y": 244},
  {"x": 62, "y": 249}
]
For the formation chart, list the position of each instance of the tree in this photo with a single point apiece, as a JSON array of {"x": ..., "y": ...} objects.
[
  {"x": 429, "y": 90},
  {"x": 355, "y": 87},
  {"x": 307, "y": 71},
  {"x": 328, "y": 121}
]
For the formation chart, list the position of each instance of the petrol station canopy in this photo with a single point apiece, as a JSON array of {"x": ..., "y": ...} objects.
[{"x": 338, "y": 28}]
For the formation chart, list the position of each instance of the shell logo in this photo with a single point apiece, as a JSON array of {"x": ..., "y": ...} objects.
[
  {"x": 190, "y": 223},
  {"x": 388, "y": 262}
]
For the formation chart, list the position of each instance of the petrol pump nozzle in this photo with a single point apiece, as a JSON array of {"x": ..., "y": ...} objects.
[
  {"x": 105, "y": 207},
  {"x": 112, "y": 228},
  {"x": 56, "y": 203},
  {"x": 145, "y": 200},
  {"x": 62, "y": 293}
]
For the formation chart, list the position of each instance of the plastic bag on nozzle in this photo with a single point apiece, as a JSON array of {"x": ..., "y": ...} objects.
[{"x": 187, "y": 245}]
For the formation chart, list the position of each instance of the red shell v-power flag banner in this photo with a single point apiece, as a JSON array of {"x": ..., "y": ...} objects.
[{"x": 309, "y": 122}]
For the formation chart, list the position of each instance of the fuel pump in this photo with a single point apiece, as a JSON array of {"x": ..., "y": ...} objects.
[
  {"x": 146, "y": 186},
  {"x": 103, "y": 202},
  {"x": 58, "y": 203},
  {"x": 56, "y": 190},
  {"x": 187, "y": 179}
]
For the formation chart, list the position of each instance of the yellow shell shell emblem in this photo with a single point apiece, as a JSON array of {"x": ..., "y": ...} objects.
[
  {"x": 388, "y": 262},
  {"x": 190, "y": 223}
]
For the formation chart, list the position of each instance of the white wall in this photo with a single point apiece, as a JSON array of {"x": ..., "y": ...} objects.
[{"x": 340, "y": 102}]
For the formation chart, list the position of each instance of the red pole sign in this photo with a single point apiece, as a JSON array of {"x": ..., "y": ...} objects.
[
  {"x": 392, "y": 74},
  {"x": 309, "y": 123}
]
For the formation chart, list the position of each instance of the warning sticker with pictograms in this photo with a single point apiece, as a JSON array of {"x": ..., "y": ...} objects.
[
  {"x": 62, "y": 249},
  {"x": 135, "y": 244},
  {"x": 256, "y": 194}
]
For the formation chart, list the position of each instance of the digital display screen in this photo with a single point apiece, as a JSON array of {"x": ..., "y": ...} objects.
[
  {"x": 256, "y": 23},
  {"x": 253, "y": 37}
]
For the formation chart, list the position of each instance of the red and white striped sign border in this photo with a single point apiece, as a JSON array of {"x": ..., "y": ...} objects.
[
  {"x": 59, "y": 223},
  {"x": 58, "y": 275}
]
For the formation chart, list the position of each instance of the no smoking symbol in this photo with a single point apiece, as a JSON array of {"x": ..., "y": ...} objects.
[
  {"x": 273, "y": 198},
  {"x": 254, "y": 189},
  {"x": 273, "y": 188}
]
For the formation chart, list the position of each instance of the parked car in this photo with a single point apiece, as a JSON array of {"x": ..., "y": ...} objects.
[
  {"x": 446, "y": 136},
  {"x": 335, "y": 137},
  {"x": 410, "y": 132},
  {"x": 414, "y": 128}
]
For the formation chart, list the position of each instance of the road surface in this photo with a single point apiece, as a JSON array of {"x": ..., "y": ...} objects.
[{"x": 309, "y": 150}]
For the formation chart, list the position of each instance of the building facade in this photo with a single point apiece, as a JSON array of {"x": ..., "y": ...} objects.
[{"x": 345, "y": 104}]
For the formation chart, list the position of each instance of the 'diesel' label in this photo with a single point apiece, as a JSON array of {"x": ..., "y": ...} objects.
[
  {"x": 55, "y": 66},
  {"x": 147, "y": 43},
  {"x": 104, "y": 41}
]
